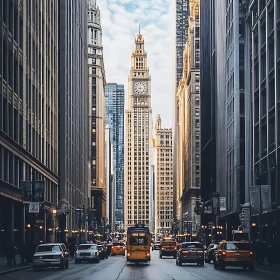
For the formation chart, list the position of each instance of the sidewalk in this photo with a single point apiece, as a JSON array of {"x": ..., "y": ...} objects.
[{"x": 4, "y": 269}]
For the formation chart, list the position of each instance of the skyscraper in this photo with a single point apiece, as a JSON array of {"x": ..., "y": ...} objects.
[
  {"x": 73, "y": 108},
  {"x": 114, "y": 95},
  {"x": 163, "y": 179},
  {"x": 182, "y": 11},
  {"x": 188, "y": 95},
  {"x": 96, "y": 82},
  {"x": 138, "y": 139},
  {"x": 28, "y": 112}
]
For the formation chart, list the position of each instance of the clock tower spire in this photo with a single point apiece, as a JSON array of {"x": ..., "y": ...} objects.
[{"x": 138, "y": 140}]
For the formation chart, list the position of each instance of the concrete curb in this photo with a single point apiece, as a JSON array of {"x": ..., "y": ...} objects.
[
  {"x": 21, "y": 268},
  {"x": 15, "y": 270}
]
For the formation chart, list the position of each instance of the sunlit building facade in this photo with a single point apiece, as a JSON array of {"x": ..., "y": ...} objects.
[
  {"x": 96, "y": 83},
  {"x": 163, "y": 179},
  {"x": 138, "y": 139}
]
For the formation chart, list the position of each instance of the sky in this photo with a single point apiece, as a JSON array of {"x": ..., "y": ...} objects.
[{"x": 120, "y": 24}]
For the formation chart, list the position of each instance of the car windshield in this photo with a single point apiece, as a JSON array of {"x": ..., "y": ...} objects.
[
  {"x": 87, "y": 247},
  {"x": 192, "y": 245},
  {"x": 138, "y": 241},
  {"x": 168, "y": 243},
  {"x": 49, "y": 248},
  {"x": 238, "y": 246}
]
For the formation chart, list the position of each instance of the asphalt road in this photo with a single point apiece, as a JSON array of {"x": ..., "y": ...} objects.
[{"x": 116, "y": 268}]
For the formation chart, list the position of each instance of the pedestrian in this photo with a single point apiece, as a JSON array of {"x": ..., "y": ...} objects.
[{"x": 11, "y": 256}]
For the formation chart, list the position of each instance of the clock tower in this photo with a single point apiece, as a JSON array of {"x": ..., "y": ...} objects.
[{"x": 138, "y": 141}]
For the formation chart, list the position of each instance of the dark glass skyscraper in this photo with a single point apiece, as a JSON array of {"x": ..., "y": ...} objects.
[
  {"x": 115, "y": 119},
  {"x": 182, "y": 10}
]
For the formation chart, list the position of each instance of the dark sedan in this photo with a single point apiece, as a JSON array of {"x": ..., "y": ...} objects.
[
  {"x": 102, "y": 252},
  {"x": 209, "y": 254},
  {"x": 190, "y": 252},
  {"x": 156, "y": 246}
]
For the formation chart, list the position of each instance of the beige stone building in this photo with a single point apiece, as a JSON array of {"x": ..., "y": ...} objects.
[
  {"x": 188, "y": 143},
  {"x": 138, "y": 140},
  {"x": 163, "y": 179}
]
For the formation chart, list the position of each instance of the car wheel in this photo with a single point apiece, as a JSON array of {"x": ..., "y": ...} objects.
[
  {"x": 180, "y": 262},
  {"x": 160, "y": 256},
  {"x": 174, "y": 257},
  {"x": 251, "y": 267},
  {"x": 202, "y": 263},
  {"x": 62, "y": 265},
  {"x": 222, "y": 267},
  {"x": 67, "y": 264},
  {"x": 176, "y": 262},
  {"x": 97, "y": 260},
  {"x": 215, "y": 265}
]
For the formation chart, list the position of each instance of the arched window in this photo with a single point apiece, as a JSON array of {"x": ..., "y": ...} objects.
[{"x": 196, "y": 12}]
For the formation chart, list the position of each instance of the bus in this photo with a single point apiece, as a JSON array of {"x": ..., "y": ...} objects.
[{"x": 138, "y": 244}]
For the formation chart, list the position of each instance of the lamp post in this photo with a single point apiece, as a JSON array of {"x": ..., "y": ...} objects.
[{"x": 217, "y": 214}]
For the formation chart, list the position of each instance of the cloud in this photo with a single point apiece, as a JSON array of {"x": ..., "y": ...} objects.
[{"x": 119, "y": 19}]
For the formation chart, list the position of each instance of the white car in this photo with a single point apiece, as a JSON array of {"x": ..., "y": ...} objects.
[
  {"x": 87, "y": 252},
  {"x": 51, "y": 255}
]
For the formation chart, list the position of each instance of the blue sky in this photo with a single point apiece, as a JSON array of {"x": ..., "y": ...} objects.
[{"x": 120, "y": 23}]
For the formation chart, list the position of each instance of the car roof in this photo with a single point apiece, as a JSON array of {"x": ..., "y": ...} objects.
[
  {"x": 188, "y": 242},
  {"x": 241, "y": 241},
  {"x": 87, "y": 244},
  {"x": 51, "y": 244}
]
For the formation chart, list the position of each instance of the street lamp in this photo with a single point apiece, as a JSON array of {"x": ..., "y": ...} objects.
[{"x": 217, "y": 213}]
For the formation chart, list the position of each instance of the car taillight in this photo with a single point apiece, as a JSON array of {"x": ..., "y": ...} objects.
[
  {"x": 113, "y": 247},
  {"x": 147, "y": 254},
  {"x": 185, "y": 251},
  {"x": 251, "y": 253},
  {"x": 223, "y": 253},
  {"x": 128, "y": 254},
  {"x": 200, "y": 252},
  {"x": 175, "y": 248}
]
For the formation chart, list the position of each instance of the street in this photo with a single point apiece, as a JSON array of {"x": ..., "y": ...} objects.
[{"x": 116, "y": 268}]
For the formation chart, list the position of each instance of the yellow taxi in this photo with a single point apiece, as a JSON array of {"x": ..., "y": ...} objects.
[
  {"x": 234, "y": 253},
  {"x": 118, "y": 248}
]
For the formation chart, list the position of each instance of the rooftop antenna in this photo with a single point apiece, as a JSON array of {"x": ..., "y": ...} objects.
[{"x": 139, "y": 24}]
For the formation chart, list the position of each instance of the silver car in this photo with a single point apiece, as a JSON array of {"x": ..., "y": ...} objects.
[
  {"x": 51, "y": 255},
  {"x": 87, "y": 252}
]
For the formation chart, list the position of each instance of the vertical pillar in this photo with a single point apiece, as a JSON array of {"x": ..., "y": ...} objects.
[
  {"x": 23, "y": 224},
  {"x": 11, "y": 220},
  {"x": 45, "y": 228}
]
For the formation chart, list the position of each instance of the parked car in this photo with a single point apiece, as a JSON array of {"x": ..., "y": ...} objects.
[
  {"x": 190, "y": 252},
  {"x": 209, "y": 253},
  {"x": 102, "y": 252},
  {"x": 51, "y": 255},
  {"x": 87, "y": 252},
  {"x": 234, "y": 253}
]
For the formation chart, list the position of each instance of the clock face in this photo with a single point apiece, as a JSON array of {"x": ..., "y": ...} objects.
[{"x": 140, "y": 87}]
